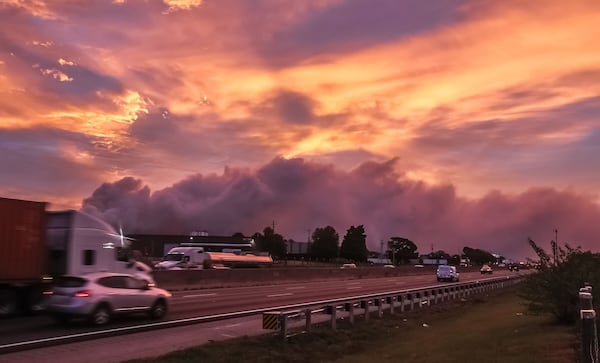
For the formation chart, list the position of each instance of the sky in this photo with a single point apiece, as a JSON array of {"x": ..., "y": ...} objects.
[{"x": 451, "y": 122}]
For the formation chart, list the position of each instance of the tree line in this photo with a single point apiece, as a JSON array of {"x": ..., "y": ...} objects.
[{"x": 325, "y": 246}]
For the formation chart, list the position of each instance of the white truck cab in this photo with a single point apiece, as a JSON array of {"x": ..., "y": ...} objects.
[
  {"x": 180, "y": 258},
  {"x": 79, "y": 243}
]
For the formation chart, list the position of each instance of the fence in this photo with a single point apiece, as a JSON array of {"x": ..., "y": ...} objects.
[{"x": 351, "y": 308}]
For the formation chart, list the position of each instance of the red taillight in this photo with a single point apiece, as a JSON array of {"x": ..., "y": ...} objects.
[
  {"x": 47, "y": 292},
  {"x": 83, "y": 293}
]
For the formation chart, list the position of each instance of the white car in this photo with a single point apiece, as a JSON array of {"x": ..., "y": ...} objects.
[
  {"x": 486, "y": 269},
  {"x": 99, "y": 296},
  {"x": 447, "y": 273}
]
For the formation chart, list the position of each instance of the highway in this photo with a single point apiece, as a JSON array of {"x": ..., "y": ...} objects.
[{"x": 205, "y": 302}]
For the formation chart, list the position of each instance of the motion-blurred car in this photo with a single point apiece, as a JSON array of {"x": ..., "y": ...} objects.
[
  {"x": 486, "y": 269},
  {"x": 513, "y": 267},
  {"x": 348, "y": 265},
  {"x": 447, "y": 273},
  {"x": 101, "y": 295}
]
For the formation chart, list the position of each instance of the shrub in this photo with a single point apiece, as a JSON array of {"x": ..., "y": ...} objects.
[{"x": 555, "y": 287}]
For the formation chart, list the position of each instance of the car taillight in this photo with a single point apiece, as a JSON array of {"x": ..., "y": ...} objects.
[
  {"x": 48, "y": 292},
  {"x": 83, "y": 293}
]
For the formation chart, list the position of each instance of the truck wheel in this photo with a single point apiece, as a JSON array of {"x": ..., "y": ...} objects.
[
  {"x": 158, "y": 310},
  {"x": 8, "y": 303},
  {"x": 101, "y": 316}
]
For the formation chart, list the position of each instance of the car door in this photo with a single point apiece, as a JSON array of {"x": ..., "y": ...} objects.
[
  {"x": 140, "y": 297},
  {"x": 115, "y": 291}
]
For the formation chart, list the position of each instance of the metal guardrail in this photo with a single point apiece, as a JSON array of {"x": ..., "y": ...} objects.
[{"x": 402, "y": 300}]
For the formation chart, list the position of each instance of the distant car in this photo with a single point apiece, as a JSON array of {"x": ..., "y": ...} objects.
[
  {"x": 101, "y": 295},
  {"x": 389, "y": 266},
  {"x": 447, "y": 273},
  {"x": 419, "y": 266},
  {"x": 513, "y": 267},
  {"x": 348, "y": 265},
  {"x": 486, "y": 269}
]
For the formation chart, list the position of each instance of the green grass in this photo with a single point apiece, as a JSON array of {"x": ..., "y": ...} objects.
[{"x": 492, "y": 328}]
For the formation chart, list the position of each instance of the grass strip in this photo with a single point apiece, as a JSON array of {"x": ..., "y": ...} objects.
[{"x": 489, "y": 328}]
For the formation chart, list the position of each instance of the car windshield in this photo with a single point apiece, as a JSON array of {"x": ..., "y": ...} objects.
[
  {"x": 173, "y": 257},
  {"x": 445, "y": 268}
]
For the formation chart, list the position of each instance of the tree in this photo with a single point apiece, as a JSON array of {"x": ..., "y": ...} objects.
[
  {"x": 478, "y": 256},
  {"x": 402, "y": 249},
  {"x": 325, "y": 243},
  {"x": 271, "y": 242},
  {"x": 354, "y": 245},
  {"x": 454, "y": 260},
  {"x": 554, "y": 289}
]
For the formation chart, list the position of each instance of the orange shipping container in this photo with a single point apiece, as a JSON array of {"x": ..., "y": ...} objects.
[{"x": 22, "y": 240}]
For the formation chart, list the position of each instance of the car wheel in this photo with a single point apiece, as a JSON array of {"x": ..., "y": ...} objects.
[
  {"x": 158, "y": 310},
  {"x": 101, "y": 316}
]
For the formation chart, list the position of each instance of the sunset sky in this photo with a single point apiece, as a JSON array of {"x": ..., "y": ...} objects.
[{"x": 451, "y": 123}]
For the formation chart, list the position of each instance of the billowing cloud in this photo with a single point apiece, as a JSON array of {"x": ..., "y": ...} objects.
[{"x": 300, "y": 195}]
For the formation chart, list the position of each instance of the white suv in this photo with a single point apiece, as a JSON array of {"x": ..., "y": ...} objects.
[
  {"x": 100, "y": 295},
  {"x": 447, "y": 273}
]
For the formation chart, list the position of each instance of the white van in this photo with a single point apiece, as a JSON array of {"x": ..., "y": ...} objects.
[{"x": 447, "y": 273}]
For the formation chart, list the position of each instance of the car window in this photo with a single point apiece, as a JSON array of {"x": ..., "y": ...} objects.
[
  {"x": 115, "y": 282},
  {"x": 135, "y": 283}
]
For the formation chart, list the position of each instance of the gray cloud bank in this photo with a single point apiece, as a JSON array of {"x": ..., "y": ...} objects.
[{"x": 300, "y": 195}]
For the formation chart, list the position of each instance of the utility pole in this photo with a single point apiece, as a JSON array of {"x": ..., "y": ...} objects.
[
  {"x": 381, "y": 252},
  {"x": 555, "y": 245}
]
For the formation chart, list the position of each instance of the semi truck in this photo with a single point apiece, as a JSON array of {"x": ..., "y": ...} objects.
[
  {"x": 190, "y": 257},
  {"x": 37, "y": 246}
]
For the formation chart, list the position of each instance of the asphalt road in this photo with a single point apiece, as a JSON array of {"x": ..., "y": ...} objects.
[{"x": 196, "y": 303}]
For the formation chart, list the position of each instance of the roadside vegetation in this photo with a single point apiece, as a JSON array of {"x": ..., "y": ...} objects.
[
  {"x": 490, "y": 328},
  {"x": 554, "y": 289}
]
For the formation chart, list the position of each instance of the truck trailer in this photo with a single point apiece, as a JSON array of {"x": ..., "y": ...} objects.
[
  {"x": 36, "y": 246},
  {"x": 189, "y": 257}
]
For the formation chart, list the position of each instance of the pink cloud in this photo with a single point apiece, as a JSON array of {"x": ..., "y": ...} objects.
[{"x": 300, "y": 195}]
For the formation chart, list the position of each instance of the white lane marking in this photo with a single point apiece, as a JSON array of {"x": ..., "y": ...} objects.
[
  {"x": 354, "y": 283},
  {"x": 200, "y": 295},
  {"x": 295, "y": 288},
  {"x": 228, "y": 335},
  {"x": 353, "y": 287},
  {"x": 284, "y": 294}
]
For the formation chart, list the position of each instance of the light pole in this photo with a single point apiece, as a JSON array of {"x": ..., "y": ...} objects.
[{"x": 308, "y": 230}]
